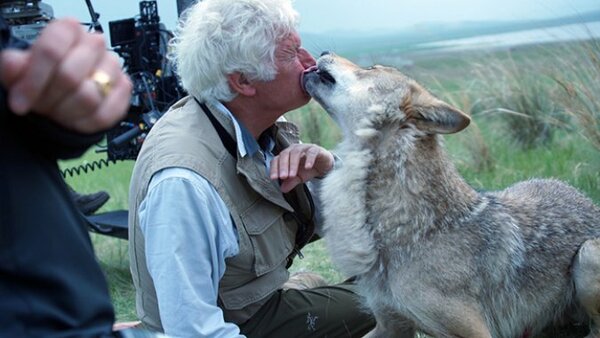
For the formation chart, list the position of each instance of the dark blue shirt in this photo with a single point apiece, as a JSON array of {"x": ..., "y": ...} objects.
[{"x": 50, "y": 282}]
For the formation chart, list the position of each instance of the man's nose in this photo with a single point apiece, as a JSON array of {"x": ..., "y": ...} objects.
[{"x": 306, "y": 59}]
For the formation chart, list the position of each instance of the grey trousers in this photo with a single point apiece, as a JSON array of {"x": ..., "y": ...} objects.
[{"x": 329, "y": 311}]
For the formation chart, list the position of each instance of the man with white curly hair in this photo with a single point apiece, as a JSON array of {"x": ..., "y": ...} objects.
[{"x": 219, "y": 205}]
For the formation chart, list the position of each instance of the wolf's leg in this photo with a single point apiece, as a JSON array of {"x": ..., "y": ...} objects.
[
  {"x": 455, "y": 318},
  {"x": 392, "y": 326},
  {"x": 378, "y": 332},
  {"x": 469, "y": 327},
  {"x": 586, "y": 274}
]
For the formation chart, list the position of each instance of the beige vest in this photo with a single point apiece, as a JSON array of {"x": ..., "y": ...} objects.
[{"x": 264, "y": 218}]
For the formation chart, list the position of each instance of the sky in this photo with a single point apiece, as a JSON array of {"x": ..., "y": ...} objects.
[
  {"x": 383, "y": 15},
  {"x": 372, "y": 16}
]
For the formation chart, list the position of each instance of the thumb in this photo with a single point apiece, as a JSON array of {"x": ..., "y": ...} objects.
[{"x": 288, "y": 184}]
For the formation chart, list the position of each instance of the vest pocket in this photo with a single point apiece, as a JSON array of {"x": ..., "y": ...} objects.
[{"x": 271, "y": 238}]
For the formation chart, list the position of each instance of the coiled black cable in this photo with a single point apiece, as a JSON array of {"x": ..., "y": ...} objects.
[{"x": 86, "y": 167}]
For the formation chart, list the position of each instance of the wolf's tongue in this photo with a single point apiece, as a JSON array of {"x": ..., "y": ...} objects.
[{"x": 306, "y": 71}]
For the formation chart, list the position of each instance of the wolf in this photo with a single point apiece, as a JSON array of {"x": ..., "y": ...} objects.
[{"x": 428, "y": 251}]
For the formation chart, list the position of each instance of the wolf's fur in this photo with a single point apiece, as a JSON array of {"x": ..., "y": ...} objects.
[{"x": 428, "y": 250}]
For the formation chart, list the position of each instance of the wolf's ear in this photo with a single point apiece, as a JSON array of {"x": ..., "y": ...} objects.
[{"x": 432, "y": 115}]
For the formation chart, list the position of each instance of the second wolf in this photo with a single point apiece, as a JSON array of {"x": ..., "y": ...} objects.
[{"x": 430, "y": 252}]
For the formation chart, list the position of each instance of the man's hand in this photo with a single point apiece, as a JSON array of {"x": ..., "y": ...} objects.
[
  {"x": 54, "y": 79},
  {"x": 299, "y": 163}
]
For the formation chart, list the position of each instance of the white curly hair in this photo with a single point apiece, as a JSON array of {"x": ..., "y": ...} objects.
[{"x": 220, "y": 37}]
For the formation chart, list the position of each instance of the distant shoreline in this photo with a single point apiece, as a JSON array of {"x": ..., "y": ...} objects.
[{"x": 562, "y": 33}]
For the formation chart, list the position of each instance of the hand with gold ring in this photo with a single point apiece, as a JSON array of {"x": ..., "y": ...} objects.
[
  {"x": 69, "y": 76},
  {"x": 103, "y": 82}
]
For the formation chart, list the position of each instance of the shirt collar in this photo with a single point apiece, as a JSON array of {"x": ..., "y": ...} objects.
[{"x": 246, "y": 144}]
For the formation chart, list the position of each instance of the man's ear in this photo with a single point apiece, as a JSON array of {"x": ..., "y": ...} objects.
[{"x": 240, "y": 84}]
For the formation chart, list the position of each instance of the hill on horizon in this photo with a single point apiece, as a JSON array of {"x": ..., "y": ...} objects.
[{"x": 357, "y": 42}]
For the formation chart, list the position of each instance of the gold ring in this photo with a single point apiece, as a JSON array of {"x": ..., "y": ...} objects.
[{"x": 103, "y": 82}]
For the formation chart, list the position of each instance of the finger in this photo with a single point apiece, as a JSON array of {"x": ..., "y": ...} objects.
[
  {"x": 274, "y": 168},
  {"x": 284, "y": 163},
  {"x": 323, "y": 162},
  {"x": 95, "y": 112},
  {"x": 297, "y": 155},
  {"x": 311, "y": 157},
  {"x": 115, "y": 107},
  {"x": 76, "y": 66},
  {"x": 46, "y": 53},
  {"x": 112, "y": 109},
  {"x": 63, "y": 97},
  {"x": 81, "y": 106},
  {"x": 78, "y": 106},
  {"x": 12, "y": 65},
  {"x": 290, "y": 183}
]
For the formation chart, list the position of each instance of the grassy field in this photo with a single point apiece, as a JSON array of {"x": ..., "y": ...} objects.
[{"x": 536, "y": 113}]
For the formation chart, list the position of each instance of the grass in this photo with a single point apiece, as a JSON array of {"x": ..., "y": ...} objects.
[
  {"x": 112, "y": 253},
  {"x": 580, "y": 87},
  {"x": 491, "y": 154}
]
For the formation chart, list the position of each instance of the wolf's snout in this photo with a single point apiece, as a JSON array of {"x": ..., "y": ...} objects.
[
  {"x": 324, "y": 64},
  {"x": 316, "y": 75},
  {"x": 326, "y": 76},
  {"x": 304, "y": 77}
]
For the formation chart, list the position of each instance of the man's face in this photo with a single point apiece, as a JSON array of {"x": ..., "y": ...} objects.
[{"x": 285, "y": 92}]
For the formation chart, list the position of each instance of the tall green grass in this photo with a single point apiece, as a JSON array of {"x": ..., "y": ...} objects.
[
  {"x": 535, "y": 110},
  {"x": 580, "y": 87}
]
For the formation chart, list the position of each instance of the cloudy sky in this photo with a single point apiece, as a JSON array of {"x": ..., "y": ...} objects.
[{"x": 321, "y": 16}]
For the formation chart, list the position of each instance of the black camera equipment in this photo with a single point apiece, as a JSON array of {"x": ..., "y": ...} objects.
[
  {"x": 26, "y": 18},
  {"x": 142, "y": 43}
]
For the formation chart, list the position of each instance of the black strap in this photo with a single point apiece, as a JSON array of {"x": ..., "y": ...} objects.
[{"x": 227, "y": 140}]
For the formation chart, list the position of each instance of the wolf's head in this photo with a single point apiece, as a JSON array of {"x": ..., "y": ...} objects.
[{"x": 369, "y": 97}]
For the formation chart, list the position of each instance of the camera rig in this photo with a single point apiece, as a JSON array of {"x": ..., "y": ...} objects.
[{"x": 141, "y": 42}]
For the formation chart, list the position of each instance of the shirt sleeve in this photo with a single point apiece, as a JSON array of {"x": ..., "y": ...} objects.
[{"x": 188, "y": 234}]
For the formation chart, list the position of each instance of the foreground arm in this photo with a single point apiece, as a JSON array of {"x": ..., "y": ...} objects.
[{"x": 188, "y": 234}]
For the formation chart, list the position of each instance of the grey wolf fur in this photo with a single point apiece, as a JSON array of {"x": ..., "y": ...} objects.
[{"x": 430, "y": 252}]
